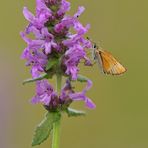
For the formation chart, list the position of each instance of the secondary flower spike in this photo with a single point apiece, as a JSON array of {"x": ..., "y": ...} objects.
[
  {"x": 46, "y": 95},
  {"x": 55, "y": 47}
]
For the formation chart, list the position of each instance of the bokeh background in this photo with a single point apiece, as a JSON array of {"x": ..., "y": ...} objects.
[{"x": 121, "y": 117}]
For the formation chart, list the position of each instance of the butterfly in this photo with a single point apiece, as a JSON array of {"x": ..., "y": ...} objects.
[{"x": 107, "y": 62}]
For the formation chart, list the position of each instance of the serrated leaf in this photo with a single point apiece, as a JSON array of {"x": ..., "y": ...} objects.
[
  {"x": 82, "y": 78},
  {"x": 51, "y": 63},
  {"x": 75, "y": 113},
  {"x": 44, "y": 129},
  {"x": 41, "y": 77}
]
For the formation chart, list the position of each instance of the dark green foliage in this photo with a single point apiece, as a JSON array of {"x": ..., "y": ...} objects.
[{"x": 44, "y": 129}]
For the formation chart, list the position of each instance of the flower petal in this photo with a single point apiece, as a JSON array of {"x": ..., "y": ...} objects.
[
  {"x": 28, "y": 15},
  {"x": 79, "y": 12},
  {"x": 89, "y": 103}
]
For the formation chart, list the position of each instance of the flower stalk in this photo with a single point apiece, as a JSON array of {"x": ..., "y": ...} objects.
[
  {"x": 58, "y": 82},
  {"x": 56, "y": 125},
  {"x": 56, "y": 134}
]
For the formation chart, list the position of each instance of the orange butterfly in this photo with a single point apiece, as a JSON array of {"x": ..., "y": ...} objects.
[{"x": 107, "y": 63}]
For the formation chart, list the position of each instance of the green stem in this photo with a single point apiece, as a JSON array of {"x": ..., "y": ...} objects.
[
  {"x": 56, "y": 125},
  {"x": 56, "y": 134},
  {"x": 59, "y": 83}
]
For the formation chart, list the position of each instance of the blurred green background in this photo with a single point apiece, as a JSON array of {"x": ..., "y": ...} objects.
[{"x": 121, "y": 117}]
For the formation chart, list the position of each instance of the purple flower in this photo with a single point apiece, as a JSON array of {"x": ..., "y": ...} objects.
[
  {"x": 65, "y": 6},
  {"x": 68, "y": 93},
  {"x": 43, "y": 13},
  {"x": 44, "y": 39},
  {"x": 82, "y": 96},
  {"x": 35, "y": 58},
  {"x": 72, "y": 59},
  {"x": 44, "y": 93},
  {"x": 52, "y": 39},
  {"x": 64, "y": 24},
  {"x": 80, "y": 11},
  {"x": 66, "y": 90}
]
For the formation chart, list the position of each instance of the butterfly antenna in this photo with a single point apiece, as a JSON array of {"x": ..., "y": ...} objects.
[{"x": 94, "y": 43}]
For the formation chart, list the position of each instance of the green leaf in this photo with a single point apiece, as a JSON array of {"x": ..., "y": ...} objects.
[
  {"x": 74, "y": 113},
  {"x": 51, "y": 62},
  {"x": 41, "y": 77},
  {"x": 82, "y": 78},
  {"x": 44, "y": 129}
]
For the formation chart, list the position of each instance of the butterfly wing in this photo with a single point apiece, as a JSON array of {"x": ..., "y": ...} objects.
[{"x": 109, "y": 64}]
